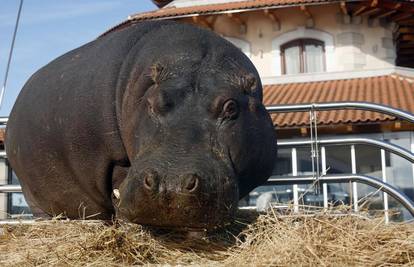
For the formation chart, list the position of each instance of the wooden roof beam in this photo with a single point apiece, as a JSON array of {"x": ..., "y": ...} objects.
[
  {"x": 236, "y": 18},
  {"x": 306, "y": 11},
  {"x": 202, "y": 20},
  {"x": 394, "y": 9},
  {"x": 406, "y": 22},
  {"x": 406, "y": 30},
  {"x": 400, "y": 6},
  {"x": 364, "y": 6},
  {"x": 370, "y": 11},
  {"x": 344, "y": 8},
  {"x": 359, "y": 10},
  {"x": 407, "y": 37},
  {"x": 382, "y": 15},
  {"x": 400, "y": 16},
  {"x": 271, "y": 14},
  {"x": 309, "y": 19}
]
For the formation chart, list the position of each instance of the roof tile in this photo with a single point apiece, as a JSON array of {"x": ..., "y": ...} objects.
[
  {"x": 392, "y": 90},
  {"x": 211, "y": 8}
]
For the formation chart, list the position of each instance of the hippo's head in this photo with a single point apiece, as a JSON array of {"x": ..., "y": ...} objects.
[{"x": 198, "y": 137}]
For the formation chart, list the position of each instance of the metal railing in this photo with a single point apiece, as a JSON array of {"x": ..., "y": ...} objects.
[
  {"x": 395, "y": 149},
  {"x": 3, "y": 120},
  {"x": 314, "y": 143},
  {"x": 368, "y": 180},
  {"x": 10, "y": 188}
]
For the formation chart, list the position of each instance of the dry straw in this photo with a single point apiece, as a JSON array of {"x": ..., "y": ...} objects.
[{"x": 272, "y": 239}]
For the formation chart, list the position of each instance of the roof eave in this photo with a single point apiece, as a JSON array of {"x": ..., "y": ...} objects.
[{"x": 140, "y": 16}]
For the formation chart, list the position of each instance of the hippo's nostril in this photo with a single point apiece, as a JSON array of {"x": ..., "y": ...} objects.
[
  {"x": 150, "y": 180},
  {"x": 191, "y": 183}
]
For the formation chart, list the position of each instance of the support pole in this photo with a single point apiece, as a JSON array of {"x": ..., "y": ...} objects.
[{"x": 6, "y": 75}]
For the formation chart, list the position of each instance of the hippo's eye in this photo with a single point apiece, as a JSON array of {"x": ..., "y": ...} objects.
[
  {"x": 160, "y": 104},
  {"x": 230, "y": 109}
]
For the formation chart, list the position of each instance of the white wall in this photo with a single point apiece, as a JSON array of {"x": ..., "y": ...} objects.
[{"x": 350, "y": 43}]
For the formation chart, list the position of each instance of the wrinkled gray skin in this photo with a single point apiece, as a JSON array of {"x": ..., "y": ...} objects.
[{"x": 169, "y": 114}]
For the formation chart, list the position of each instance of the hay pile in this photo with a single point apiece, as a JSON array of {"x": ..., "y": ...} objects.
[{"x": 269, "y": 239}]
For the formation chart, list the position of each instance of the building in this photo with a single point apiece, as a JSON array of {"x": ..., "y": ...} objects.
[{"x": 310, "y": 51}]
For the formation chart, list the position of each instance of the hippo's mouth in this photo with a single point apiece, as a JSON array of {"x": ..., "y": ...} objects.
[{"x": 193, "y": 213}]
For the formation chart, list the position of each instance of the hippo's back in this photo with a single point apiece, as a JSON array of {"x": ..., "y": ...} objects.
[{"x": 62, "y": 131}]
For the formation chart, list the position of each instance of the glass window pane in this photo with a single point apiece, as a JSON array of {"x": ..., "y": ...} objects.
[
  {"x": 314, "y": 60},
  {"x": 338, "y": 194},
  {"x": 283, "y": 164},
  {"x": 292, "y": 60},
  {"x": 399, "y": 171},
  {"x": 14, "y": 179},
  {"x": 368, "y": 162},
  {"x": 18, "y": 205},
  {"x": 304, "y": 161},
  {"x": 338, "y": 159},
  {"x": 307, "y": 195}
]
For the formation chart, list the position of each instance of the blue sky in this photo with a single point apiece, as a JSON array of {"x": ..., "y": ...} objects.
[{"x": 50, "y": 28}]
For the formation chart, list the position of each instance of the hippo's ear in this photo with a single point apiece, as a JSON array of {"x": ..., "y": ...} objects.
[
  {"x": 158, "y": 73},
  {"x": 248, "y": 83}
]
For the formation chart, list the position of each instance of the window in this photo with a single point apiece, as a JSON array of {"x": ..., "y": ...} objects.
[
  {"x": 338, "y": 159},
  {"x": 283, "y": 164},
  {"x": 302, "y": 56},
  {"x": 304, "y": 160},
  {"x": 17, "y": 206}
]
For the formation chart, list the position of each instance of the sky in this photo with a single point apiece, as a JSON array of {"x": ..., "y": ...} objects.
[{"x": 50, "y": 28}]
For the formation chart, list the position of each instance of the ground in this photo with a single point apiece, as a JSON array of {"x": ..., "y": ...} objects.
[{"x": 311, "y": 239}]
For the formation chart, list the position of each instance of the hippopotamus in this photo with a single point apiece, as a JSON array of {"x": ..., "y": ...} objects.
[{"x": 158, "y": 123}]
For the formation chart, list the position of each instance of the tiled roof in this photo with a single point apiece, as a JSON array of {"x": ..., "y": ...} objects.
[
  {"x": 176, "y": 12},
  {"x": 203, "y": 9},
  {"x": 167, "y": 12},
  {"x": 172, "y": 11},
  {"x": 392, "y": 90}
]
